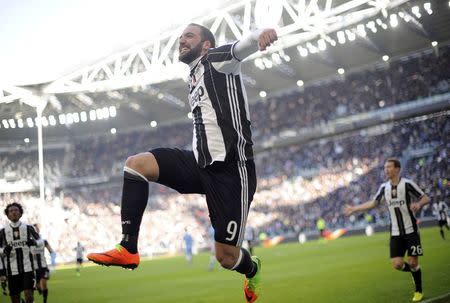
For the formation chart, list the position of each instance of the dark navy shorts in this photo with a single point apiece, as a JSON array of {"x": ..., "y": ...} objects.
[
  {"x": 410, "y": 243},
  {"x": 228, "y": 186}
]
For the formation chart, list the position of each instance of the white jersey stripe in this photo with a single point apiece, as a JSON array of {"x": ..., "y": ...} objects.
[
  {"x": 234, "y": 106},
  {"x": 244, "y": 201},
  {"x": 246, "y": 205},
  {"x": 241, "y": 141},
  {"x": 240, "y": 134}
]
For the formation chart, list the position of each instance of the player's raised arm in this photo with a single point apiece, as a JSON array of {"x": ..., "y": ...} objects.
[
  {"x": 379, "y": 196},
  {"x": 350, "y": 209},
  {"x": 257, "y": 40}
]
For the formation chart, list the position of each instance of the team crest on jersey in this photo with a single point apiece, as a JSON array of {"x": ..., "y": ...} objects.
[{"x": 16, "y": 234}]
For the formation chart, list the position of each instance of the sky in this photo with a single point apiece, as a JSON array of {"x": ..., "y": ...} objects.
[{"x": 41, "y": 41}]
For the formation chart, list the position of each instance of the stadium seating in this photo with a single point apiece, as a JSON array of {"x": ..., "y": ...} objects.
[{"x": 297, "y": 184}]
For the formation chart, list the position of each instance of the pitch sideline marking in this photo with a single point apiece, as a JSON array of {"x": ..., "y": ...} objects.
[{"x": 437, "y": 298}]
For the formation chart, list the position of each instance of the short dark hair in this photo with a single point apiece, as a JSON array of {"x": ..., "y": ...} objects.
[
  {"x": 12, "y": 205},
  {"x": 206, "y": 34},
  {"x": 395, "y": 161}
]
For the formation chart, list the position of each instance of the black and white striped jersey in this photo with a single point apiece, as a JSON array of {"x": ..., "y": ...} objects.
[
  {"x": 440, "y": 211},
  {"x": 219, "y": 107},
  {"x": 20, "y": 259},
  {"x": 398, "y": 198},
  {"x": 39, "y": 255}
]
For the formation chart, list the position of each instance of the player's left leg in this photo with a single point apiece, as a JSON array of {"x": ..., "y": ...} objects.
[
  {"x": 44, "y": 288},
  {"x": 229, "y": 191},
  {"x": 441, "y": 229},
  {"x": 28, "y": 286},
  {"x": 28, "y": 295},
  {"x": 414, "y": 251},
  {"x": 79, "y": 265},
  {"x": 416, "y": 273},
  {"x": 239, "y": 259},
  {"x": 38, "y": 284}
]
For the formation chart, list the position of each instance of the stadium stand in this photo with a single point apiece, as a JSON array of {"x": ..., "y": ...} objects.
[{"x": 297, "y": 183}]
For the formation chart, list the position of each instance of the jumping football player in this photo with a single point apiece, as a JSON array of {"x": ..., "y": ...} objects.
[{"x": 220, "y": 165}]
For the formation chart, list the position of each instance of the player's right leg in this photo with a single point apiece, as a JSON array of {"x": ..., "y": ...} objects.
[
  {"x": 441, "y": 228},
  {"x": 138, "y": 170},
  {"x": 174, "y": 168}
]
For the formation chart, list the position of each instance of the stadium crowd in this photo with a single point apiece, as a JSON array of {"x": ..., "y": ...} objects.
[
  {"x": 404, "y": 80},
  {"x": 297, "y": 184},
  {"x": 338, "y": 171}
]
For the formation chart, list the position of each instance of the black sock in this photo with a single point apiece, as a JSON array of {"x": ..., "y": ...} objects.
[
  {"x": 246, "y": 267},
  {"x": 406, "y": 267},
  {"x": 442, "y": 233},
  {"x": 134, "y": 201},
  {"x": 417, "y": 276},
  {"x": 45, "y": 295}
]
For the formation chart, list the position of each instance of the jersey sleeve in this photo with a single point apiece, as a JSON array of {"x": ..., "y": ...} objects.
[
  {"x": 223, "y": 58},
  {"x": 413, "y": 189},
  {"x": 379, "y": 196},
  {"x": 33, "y": 234}
]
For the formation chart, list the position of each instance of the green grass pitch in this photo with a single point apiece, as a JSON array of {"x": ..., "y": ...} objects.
[{"x": 353, "y": 269}]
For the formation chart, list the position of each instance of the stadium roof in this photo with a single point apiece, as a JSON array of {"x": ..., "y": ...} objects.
[{"x": 302, "y": 57}]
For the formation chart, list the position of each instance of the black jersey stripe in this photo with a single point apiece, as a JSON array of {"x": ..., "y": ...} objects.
[
  {"x": 8, "y": 265},
  {"x": 413, "y": 220},
  {"x": 202, "y": 141},
  {"x": 19, "y": 257},
  {"x": 400, "y": 223},
  {"x": 38, "y": 261}
]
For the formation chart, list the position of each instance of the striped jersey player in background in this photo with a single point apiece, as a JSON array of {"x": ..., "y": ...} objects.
[
  {"x": 16, "y": 242},
  {"x": 440, "y": 211},
  {"x": 399, "y": 194},
  {"x": 41, "y": 266},
  {"x": 220, "y": 164}
]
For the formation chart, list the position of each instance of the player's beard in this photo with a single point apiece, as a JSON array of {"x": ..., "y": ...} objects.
[{"x": 192, "y": 54}]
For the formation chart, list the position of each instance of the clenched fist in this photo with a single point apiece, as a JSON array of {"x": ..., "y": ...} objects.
[{"x": 266, "y": 38}]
